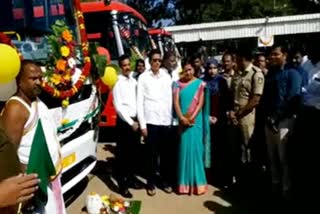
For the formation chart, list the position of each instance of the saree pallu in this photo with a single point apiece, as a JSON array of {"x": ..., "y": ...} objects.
[{"x": 194, "y": 148}]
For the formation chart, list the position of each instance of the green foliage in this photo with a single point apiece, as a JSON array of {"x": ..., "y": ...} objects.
[
  {"x": 153, "y": 10},
  {"x": 224, "y": 10},
  {"x": 191, "y": 12},
  {"x": 134, "y": 57},
  {"x": 306, "y": 6},
  {"x": 134, "y": 208},
  {"x": 57, "y": 28},
  {"x": 99, "y": 62},
  {"x": 54, "y": 47}
]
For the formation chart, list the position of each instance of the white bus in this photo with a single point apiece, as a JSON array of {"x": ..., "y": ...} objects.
[{"x": 29, "y": 23}]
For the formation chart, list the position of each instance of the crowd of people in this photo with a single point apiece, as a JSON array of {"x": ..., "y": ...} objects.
[
  {"x": 206, "y": 121},
  {"x": 212, "y": 121}
]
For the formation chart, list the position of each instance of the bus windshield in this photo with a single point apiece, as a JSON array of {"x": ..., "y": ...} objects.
[
  {"x": 28, "y": 22},
  {"x": 133, "y": 33},
  {"x": 138, "y": 34},
  {"x": 168, "y": 43}
]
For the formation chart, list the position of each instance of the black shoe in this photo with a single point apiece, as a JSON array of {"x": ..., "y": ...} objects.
[
  {"x": 136, "y": 184},
  {"x": 166, "y": 188},
  {"x": 151, "y": 190},
  {"x": 125, "y": 193}
]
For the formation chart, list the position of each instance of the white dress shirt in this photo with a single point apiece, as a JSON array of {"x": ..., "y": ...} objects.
[
  {"x": 175, "y": 76},
  {"x": 154, "y": 102},
  {"x": 125, "y": 98}
]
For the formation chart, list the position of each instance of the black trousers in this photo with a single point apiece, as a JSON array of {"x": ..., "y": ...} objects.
[
  {"x": 128, "y": 142},
  {"x": 304, "y": 155},
  {"x": 159, "y": 154},
  {"x": 172, "y": 151},
  {"x": 225, "y": 152}
]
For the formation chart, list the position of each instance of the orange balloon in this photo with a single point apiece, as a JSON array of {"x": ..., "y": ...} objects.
[{"x": 105, "y": 52}]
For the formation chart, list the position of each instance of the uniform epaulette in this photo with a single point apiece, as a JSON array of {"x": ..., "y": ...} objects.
[{"x": 256, "y": 69}]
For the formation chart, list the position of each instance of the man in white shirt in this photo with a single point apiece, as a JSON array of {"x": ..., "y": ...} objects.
[
  {"x": 154, "y": 104},
  {"x": 124, "y": 98},
  {"x": 171, "y": 65}
]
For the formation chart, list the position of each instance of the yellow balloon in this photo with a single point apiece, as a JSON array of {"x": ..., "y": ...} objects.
[
  {"x": 9, "y": 63},
  {"x": 110, "y": 76}
]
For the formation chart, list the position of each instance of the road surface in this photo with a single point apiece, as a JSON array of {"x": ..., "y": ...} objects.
[{"x": 100, "y": 181}]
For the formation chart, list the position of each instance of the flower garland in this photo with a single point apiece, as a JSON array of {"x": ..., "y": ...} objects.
[{"x": 58, "y": 82}]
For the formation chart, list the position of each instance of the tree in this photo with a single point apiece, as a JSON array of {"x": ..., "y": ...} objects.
[
  {"x": 200, "y": 11},
  {"x": 154, "y": 10},
  {"x": 307, "y": 6},
  {"x": 223, "y": 10}
]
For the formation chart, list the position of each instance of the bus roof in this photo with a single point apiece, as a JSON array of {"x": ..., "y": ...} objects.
[
  {"x": 160, "y": 31},
  {"x": 91, "y": 7}
]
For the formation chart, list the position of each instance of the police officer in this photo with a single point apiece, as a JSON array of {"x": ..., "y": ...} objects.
[{"x": 247, "y": 86}]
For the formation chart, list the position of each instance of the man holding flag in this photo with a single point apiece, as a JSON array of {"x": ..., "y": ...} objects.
[{"x": 34, "y": 134}]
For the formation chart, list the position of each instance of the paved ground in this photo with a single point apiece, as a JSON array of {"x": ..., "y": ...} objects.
[{"x": 240, "y": 202}]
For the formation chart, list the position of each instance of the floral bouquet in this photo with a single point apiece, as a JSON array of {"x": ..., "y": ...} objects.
[
  {"x": 62, "y": 59},
  {"x": 68, "y": 64}
]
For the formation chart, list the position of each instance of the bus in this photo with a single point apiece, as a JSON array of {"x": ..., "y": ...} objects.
[
  {"x": 75, "y": 105},
  {"x": 121, "y": 30},
  {"x": 163, "y": 40}
]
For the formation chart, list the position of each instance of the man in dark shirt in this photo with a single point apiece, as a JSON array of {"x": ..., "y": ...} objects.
[
  {"x": 139, "y": 69},
  {"x": 281, "y": 102}
]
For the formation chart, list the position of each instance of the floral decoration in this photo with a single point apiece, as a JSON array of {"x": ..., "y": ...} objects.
[
  {"x": 62, "y": 60},
  {"x": 111, "y": 205}
]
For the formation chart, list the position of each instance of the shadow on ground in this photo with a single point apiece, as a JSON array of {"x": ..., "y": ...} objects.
[
  {"x": 103, "y": 171},
  {"x": 252, "y": 195},
  {"x": 110, "y": 148}
]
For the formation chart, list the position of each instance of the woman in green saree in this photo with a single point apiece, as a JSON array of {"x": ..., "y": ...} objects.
[{"x": 189, "y": 96}]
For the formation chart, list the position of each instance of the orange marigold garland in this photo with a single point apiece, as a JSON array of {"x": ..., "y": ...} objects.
[{"x": 59, "y": 82}]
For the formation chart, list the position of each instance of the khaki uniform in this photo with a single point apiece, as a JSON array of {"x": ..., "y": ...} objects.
[{"x": 246, "y": 84}]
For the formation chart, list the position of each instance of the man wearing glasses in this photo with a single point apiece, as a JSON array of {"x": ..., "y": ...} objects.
[{"x": 154, "y": 105}]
